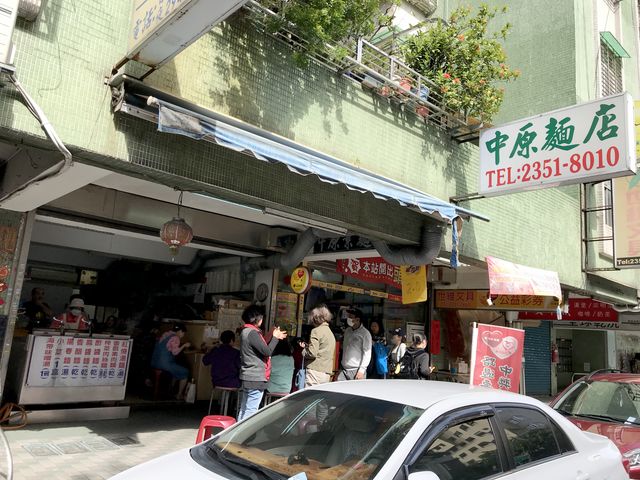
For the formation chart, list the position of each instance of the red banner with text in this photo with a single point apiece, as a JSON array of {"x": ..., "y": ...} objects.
[
  {"x": 496, "y": 357},
  {"x": 374, "y": 270}
]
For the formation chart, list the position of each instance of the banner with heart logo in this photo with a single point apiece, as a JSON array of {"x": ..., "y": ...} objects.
[{"x": 496, "y": 357}]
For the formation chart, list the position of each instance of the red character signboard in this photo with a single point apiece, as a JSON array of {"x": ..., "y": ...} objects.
[{"x": 496, "y": 357}]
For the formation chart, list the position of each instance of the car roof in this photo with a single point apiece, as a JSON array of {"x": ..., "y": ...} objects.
[
  {"x": 422, "y": 393},
  {"x": 614, "y": 377}
]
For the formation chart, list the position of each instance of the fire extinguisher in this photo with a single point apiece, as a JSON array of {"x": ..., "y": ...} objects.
[{"x": 555, "y": 354}]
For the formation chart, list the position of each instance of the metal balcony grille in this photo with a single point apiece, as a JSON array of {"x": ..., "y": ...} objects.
[{"x": 379, "y": 72}]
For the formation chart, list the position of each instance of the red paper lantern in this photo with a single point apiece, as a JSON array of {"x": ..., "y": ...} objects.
[{"x": 176, "y": 233}]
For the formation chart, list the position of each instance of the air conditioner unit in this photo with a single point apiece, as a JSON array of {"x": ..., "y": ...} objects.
[
  {"x": 8, "y": 14},
  {"x": 59, "y": 275}
]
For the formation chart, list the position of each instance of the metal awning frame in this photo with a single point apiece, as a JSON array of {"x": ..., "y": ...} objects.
[{"x": 131, "y": 96}]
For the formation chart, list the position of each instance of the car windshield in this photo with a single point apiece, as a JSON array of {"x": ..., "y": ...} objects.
[
  {"x": 609, "y": 401},
  {"x": 326, "y": 435}
]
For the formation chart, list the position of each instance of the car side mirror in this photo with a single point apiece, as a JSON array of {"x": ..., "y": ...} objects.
[{"x": 423, "y": 476}]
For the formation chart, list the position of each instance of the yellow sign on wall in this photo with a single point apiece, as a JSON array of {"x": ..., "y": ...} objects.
[
  {"x": 477, "y": 300},
  {"x": 414, "y": 283},
  {"x": 300, "y": 280}
]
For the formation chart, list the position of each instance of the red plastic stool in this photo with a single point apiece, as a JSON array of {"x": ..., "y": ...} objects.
[{"x": 212, "y": 424}]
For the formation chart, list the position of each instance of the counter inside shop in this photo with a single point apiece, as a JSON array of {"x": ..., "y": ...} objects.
[{"x": 47, "y": 367}]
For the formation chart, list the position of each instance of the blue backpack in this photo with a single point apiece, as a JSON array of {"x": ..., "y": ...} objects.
[{"x": 380, "y": 353}]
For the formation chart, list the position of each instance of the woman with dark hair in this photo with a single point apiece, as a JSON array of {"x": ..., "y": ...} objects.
[
  {"x": 255, "y": 356},
  {"x": 225, "y": 362},
  {"x": 164, "y": 353},
  {"x": 281, "y": 368}
]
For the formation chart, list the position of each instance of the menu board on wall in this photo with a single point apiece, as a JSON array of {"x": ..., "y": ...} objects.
[
  {"x": 287, "y": 312},
  {"x": 78, "y": 362}
]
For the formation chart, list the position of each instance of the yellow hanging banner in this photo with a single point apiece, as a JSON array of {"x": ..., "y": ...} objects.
[{"x": 414, "y": 283}]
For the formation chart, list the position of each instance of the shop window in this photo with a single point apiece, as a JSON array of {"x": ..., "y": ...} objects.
[
  {"x": 529, "y": 435},
  {"x": 451, "y": 457}
]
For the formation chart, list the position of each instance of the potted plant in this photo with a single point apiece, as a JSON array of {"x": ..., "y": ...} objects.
[
  {"x": 465, "y": 62},
  {"x": 319, "y": 23}
]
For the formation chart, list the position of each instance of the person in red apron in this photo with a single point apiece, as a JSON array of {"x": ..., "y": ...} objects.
[{"x": 74, "y": 318}]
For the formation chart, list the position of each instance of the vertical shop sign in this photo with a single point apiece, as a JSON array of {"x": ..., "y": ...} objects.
[
  {"x": 626, "y": 211},
  {"x": 434, "y": 341},
  {"x": 496, "y": 357},
  {"x": 414, "y": 283}
]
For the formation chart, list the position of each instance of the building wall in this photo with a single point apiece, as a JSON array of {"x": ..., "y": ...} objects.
[{"x": 64, "y": 58}]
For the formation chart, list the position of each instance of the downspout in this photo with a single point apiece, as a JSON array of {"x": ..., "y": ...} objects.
[
  {"x": 284, "y": 261},
  {"x": 423, "y": 254}
]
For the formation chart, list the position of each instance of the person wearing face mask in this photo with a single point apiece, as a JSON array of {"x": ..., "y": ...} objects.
[
  {"x": 356, "y": 350},
  {"x": 74, "y": 318}
]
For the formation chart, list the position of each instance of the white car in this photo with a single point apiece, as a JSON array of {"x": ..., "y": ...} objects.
[{"x": 396, "y": 430}]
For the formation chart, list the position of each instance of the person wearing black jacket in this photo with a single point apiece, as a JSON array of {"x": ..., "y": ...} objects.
[{"x": 417, "y": 359}]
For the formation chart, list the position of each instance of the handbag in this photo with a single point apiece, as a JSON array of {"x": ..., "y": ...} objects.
[
  {"x": 190, "y": 394},
  {"x": 301, "y": 377}
]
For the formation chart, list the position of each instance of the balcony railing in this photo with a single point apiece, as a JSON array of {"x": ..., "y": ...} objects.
[{"x": 381, "y": 73}]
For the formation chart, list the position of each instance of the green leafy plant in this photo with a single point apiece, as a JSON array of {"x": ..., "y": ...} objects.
[
  {"x": 321, "y": 22},
  {"x": 464, "y": 60}
]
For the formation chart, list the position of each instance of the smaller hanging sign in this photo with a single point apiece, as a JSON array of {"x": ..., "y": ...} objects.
[
  {"x": 414, "y": 283},
  {"x": 300, "y": 280},
  {"x": 496, "y": 357}
]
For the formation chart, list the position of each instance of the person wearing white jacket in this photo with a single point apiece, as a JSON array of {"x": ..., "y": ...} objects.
[{"x": 356, "y": 348}]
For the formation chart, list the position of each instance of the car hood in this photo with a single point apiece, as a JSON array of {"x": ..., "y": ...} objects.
[
  {"x": 626, "y": 437},
  {"x": 169, "y": 467}
]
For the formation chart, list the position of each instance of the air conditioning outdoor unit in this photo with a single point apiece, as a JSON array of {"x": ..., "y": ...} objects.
[{"x": 8, "y": 14}]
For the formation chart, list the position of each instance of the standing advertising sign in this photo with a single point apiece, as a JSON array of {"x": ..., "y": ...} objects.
[
  {"x": 582, "y": 143},
  {"x": 496, "y": 357}
]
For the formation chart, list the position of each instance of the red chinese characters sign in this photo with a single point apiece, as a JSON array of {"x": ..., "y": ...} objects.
[
  {"x": 582, "y": 310},
  {"x": 496, "y": 357},
  {"x": 374, "y": 270}
]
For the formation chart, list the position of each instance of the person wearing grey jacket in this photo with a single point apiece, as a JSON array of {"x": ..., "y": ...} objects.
[{"x": 255, "y": 358}]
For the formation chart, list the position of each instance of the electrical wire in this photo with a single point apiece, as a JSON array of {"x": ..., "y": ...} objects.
[
  {"x": 47, "y": 127},
  {"x": 7, "y": 414}
]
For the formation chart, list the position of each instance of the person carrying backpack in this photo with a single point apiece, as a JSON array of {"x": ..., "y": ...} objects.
[{"x": 415, "y": 363}]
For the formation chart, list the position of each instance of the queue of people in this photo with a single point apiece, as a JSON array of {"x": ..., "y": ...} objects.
[{"x": 264, "y": 361}]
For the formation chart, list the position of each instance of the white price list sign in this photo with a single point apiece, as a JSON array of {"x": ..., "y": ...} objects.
[
  {"x": 77, "y": 362},
  {"x": 583, "y": 143}
]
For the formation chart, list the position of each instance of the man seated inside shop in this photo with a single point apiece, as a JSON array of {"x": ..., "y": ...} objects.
[
  {"x": 37, "y": 310},
  {"x": 225, "y": 362},
  {"x": 73, "y": 318}
]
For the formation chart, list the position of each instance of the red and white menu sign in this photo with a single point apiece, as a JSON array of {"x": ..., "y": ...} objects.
[
  {"x": 78, "y": 362},
  {"x": 496, "y": 357}
]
